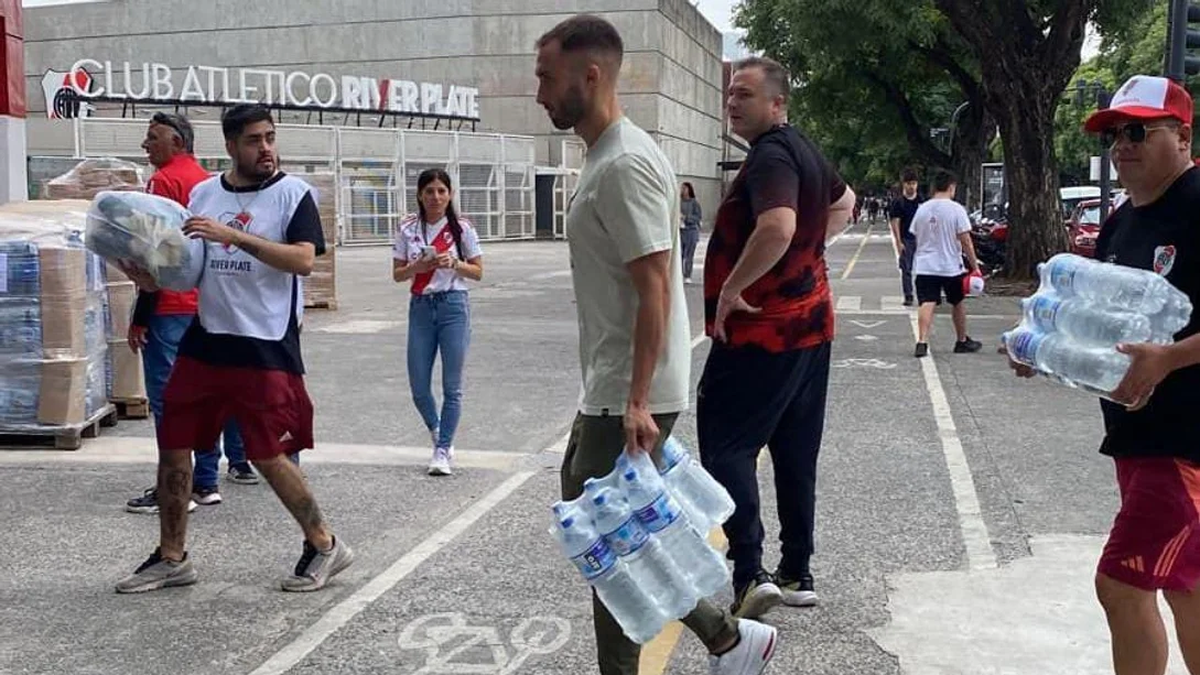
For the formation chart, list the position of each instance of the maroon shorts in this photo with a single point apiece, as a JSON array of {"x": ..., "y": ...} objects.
[
  {"x": 1155, "y": 540},
  {"x": 273, "y": 411}
]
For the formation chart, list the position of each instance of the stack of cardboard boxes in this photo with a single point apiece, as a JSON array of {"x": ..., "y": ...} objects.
[
  {"x": 53, "y": 350},
  {"x": 320, "y": 289},
  {"x": 92, "y": 176}
]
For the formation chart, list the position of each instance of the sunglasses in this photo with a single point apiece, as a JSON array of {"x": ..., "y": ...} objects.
[{"x": 1134, "y": 132}]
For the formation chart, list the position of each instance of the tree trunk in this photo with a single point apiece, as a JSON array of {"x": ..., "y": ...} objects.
[{"x": 1036, "y": 230}]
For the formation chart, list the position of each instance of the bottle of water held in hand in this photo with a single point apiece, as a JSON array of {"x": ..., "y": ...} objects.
[
  {"x": 1136, "y": 290},
  {"x": 653, "y": 570},
  {"x": 704, "y": 500},
  {"x": 1087, "y": 322},
  {"x": 637, "y": 614},
  {"x": 1099, "y": 368},
  {"x": 663, "y": 518}
]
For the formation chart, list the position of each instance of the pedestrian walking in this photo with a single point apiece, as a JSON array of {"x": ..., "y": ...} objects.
[
  {"x": 634, "y": 345},
  {"x": 1151, "y": 428},
  {"x": 769, "y": 311},
  {"x": 437, "y": 251},
  {"x": 689, "y": 232},
  {"x": 240, "y": 358},
  {"x": 160, "y": 318},
  {"x": 941, "y": 232},
  {"x": 900, "y": 216}
]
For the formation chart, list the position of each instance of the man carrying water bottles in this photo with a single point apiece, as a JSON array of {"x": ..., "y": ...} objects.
[
  {"x": 633, "y": 326},
  {"x": 1154, "y": 433}
]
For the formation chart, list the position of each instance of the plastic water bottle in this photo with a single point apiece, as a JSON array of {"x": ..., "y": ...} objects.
[
  {"x": 664, "y": 519},
  {"x": 653, "y": 570},
  {"x": 1136, "y": 290},
  {"x": 637, "y": 614},
  {"x": 1173, "y": 318},
  {"x": 1085, "y": 321},
  {"x": 1096, "y": 367},
  {"x": 705, "y": 501}
]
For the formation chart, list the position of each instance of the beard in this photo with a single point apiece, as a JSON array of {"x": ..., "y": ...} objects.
[
  {"x": 257, "y": 172},
  {"x": 570, "y": 110}
]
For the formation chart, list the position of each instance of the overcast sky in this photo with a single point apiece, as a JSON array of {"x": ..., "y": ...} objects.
[{"x": 719, "y": 12}]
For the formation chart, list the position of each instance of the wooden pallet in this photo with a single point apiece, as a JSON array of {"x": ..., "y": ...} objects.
[
  {"x": 324, "y": 304},
  {"x": 58, "y": 438},
  {"x": 131, "y": 408}
]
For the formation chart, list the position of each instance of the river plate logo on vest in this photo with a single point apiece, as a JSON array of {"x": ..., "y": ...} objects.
[{"x": 240, "y": 222}]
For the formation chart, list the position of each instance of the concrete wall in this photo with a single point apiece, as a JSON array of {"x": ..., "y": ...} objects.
[{"x": 671, "y": 79}]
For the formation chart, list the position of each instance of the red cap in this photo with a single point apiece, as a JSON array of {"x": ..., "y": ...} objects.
[{"x": 1142, "y": 98}]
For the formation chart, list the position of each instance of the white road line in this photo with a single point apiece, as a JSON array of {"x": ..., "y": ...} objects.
[
  {"x": 980, "y": 555},
  {"x": 343, "y": 612},
  {"x": 978, "y": 542},
  {"x": 143, "y": 450},
  {"x": 849, "y": 303},
  {"x": 892, "y": 303}
]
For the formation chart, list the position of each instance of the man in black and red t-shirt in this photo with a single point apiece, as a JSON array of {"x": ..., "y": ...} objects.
[{"x": 768, "y": 307}]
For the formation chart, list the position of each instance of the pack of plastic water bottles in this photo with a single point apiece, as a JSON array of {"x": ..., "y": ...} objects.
[
  {"x": 1083, "y": 309},
  {"x": 638, "y": 536}
]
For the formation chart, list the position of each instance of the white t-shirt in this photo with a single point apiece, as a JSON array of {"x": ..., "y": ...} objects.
[
  {"x": 624, "y": 208},
  {"x": 413, "y": 235},
  {"x": 936, "y": 226}
]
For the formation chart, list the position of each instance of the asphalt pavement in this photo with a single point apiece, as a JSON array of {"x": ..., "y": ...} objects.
[{"x": 960, "y": 510}]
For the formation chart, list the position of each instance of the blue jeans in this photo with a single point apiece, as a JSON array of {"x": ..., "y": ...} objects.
[
  {"x": 158, "y": 358},
  {"x": 438, "y": 321}
]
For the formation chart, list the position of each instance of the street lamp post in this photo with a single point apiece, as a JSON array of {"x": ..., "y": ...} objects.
[{"x": 1102, "y": 97}]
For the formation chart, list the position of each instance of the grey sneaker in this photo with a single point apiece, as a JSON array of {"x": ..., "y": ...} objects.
[
  {"x": 158, "y": 573},
  {"x": 148, "y": 503},
  {"x": 243, "y": 474},
  {"x": 315, "y": 569}
]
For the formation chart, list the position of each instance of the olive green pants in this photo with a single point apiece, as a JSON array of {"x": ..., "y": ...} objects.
[{"x": 592, "y": 452}]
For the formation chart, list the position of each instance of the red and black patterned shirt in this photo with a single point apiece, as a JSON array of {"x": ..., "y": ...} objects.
[{"x": 784, "y": 169}]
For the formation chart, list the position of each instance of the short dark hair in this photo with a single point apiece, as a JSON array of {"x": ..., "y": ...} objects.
[
  {"x": 180, "y": 125},
  {"x": 586, "y": 32},
  {"x": 909, "y": 175},
  {"x": 235, "y": 120},
  {"x": 943, "y": 179},
  {"x": 773, "y": 73}
]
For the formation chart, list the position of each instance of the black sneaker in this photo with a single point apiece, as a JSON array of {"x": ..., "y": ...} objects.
[
  {"x": 148, "y": 503},
  {"x": 922, "y": 350},
  {"x": 206, "y": 496},
  {"x": 967, "y": 346},
  {"x": 797, "y": 592},
  {"x": 908, "y": 302},
  {"x": 243, "y": 474},
  {"x": 757, "y": 597}
]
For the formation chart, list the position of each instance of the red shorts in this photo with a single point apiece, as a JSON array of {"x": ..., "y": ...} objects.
[
  {"x": 273, "y": 411},
  {"x": 1155, "y": 540}
]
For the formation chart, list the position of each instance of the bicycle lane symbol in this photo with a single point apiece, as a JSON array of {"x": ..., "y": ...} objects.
[{"x": 452, "y": 647}]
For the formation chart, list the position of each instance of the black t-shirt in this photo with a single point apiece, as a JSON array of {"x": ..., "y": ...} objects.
[
  {"x": 1163, "y": 236},
  {"x": 904, "y": 209}
]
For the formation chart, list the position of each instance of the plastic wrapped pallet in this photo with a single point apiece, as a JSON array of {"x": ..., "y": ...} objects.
[
  {"x": 51, "y": 324},
  {"x": 320, "y": 288},
  {"x": 92, "y": 176}
]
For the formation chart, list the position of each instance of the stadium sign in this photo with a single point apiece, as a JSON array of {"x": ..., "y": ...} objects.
[{"x": 212, "y": 85}]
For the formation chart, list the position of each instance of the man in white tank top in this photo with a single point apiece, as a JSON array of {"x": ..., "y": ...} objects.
[{"x": 241, "y": 358}]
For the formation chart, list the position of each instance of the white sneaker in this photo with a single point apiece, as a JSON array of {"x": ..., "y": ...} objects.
[
  {"x": 440, "y": 465},
  {"x": 752, "y": 653}
]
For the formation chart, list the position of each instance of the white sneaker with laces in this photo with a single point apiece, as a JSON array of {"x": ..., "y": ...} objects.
[
  {"x": 752, "y": 653},
  {"x": 440, "y": 465}
]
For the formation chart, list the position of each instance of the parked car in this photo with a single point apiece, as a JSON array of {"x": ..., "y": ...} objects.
[
  {"x": 1071, "y": 197},
  {"x": 1084, "y": 227}
]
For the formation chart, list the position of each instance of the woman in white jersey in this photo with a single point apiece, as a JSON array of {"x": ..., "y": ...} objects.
[{"x": 438, "y": 252}]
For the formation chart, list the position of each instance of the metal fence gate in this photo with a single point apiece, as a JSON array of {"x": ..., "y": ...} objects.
[{"x": 377, "y": 170}]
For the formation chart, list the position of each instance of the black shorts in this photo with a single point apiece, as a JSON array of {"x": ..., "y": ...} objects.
[{"x": 930, "y": 288}]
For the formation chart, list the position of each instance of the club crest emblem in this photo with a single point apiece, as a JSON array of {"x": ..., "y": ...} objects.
[{"x": 1164, "y": 259}]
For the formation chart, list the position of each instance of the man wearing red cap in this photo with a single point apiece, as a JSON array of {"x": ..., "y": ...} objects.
[{"x": 1154, "y": 434}]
